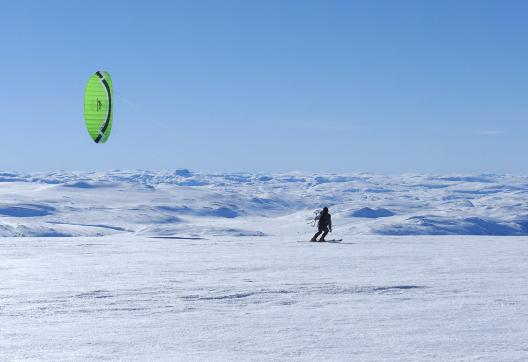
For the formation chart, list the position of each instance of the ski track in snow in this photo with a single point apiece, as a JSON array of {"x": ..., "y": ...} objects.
[
  {"x": 440, "y": 298},
  {"x": 186, "y": 204}
]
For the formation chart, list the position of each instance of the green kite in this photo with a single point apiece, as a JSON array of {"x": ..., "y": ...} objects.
[{"x": 99, "y": 106}]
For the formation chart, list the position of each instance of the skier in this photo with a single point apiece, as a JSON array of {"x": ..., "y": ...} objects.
[{"x": 324, "y": 225}]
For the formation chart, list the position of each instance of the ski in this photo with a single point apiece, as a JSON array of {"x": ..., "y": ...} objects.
[{"x": 326, "y": 241}]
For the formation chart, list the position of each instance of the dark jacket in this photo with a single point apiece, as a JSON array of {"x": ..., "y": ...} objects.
[{"x": 325, "y": 220}]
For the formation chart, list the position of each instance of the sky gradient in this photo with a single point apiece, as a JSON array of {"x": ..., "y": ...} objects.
[{"x": 213, "y": 86}]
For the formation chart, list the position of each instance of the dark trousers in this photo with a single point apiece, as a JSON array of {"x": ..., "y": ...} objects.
[{"x": 323, "y": 230}]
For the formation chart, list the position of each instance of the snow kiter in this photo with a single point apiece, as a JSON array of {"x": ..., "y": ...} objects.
[{"x": 98, "y": 106}]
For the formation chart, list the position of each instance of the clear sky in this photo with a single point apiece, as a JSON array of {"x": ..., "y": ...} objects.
[{"x": 381, "y": 86}]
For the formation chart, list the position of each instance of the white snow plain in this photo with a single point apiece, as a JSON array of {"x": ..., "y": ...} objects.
[
  {"x": 105, "y": 272},
  {"x": 371, "y": 298}
]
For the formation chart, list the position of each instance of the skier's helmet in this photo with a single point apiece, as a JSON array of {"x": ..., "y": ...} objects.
[{"x": 325, "y": 209}]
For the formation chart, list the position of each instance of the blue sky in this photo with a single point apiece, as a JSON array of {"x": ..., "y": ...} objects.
[{"x": 381, "y": 86}]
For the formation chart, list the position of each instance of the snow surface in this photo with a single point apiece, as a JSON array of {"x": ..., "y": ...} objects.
[
  {"x": 138, "y": 265},
  {"x": 183, "y": 203},
  {"x": 370, "y": 298}
]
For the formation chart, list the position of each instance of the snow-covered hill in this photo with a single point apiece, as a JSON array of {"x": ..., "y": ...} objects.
[{"x": 183, "y": 203}]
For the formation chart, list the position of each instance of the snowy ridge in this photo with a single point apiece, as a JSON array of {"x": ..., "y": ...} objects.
[{"x": 183, "y": 203}]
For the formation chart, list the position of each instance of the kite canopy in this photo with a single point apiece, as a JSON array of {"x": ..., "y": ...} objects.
[{"x": 99, "y": 106}]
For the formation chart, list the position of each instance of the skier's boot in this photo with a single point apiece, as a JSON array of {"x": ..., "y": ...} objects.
[{"x": 313, "y": 239}]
